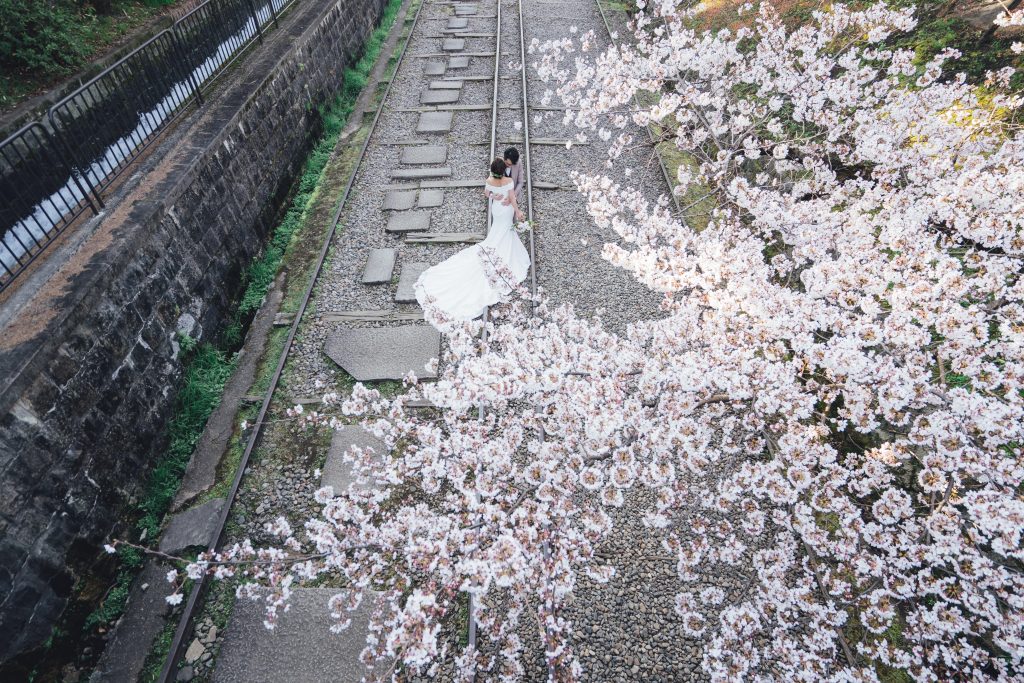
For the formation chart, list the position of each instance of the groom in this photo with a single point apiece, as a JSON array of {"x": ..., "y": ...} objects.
[{"x": 514, "y": 171}]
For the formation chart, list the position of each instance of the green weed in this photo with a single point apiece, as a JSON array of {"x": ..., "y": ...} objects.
[
  {"x": 42, "y": 41},
  {"x": 200, "y": 394}
]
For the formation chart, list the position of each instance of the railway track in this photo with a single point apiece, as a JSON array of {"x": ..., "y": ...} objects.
[
  {"x": 506, "y": 79},
  {"x": 527, "y": 187},
  {"x": 195, "y": 601}
]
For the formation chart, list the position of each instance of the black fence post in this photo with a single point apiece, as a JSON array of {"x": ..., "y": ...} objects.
[
  {"x": 179, "y": 46},
  {"x": 65, "y": 153},
  {"x": 273, "y": 13},
  {"x": 88, "y": 191},
  {"x": 255, "y": 19}
]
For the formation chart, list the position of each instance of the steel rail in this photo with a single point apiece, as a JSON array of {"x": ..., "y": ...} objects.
[
  {"x": 528, "y": 184},
  {"x": 650, "y": 135},
  {"x": 526, "y": 152},
  {"x": 481, "y": 412},
  {"x": 169, "y": 672}
]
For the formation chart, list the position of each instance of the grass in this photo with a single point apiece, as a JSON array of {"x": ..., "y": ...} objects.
[
  {"x": 856, "y": 633},
  {"x": 43, "y": 42},
  {"x": 200, "y": 394},
  {"x": 461, "y": 618},
  {"x": 697, "y": 202},
  {"x": 155, "y": 659},
  {"x": 936, "y": 30},
  {"x": 208, "y": 369},
  {"x": 114, "y": 601}
]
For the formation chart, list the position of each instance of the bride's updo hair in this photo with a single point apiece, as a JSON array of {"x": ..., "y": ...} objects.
[{"x": 498, "y": 167}]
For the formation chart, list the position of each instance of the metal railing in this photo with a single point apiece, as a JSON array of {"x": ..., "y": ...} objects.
[{"x": 54, "y": 170}]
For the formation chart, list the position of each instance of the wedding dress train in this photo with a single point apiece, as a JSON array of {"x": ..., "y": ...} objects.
[{"x": 459, "y": 286}]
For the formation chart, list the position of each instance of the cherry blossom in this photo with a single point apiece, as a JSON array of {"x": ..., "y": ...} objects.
[{"x": 831, "y": 397}]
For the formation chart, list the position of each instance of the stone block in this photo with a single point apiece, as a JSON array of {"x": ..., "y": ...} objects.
[
  {"x": 336, "y": 472},
  {"x": 420, "y": 173},
  {"x": 440, "y": 97},
  {"x": 426, "y": 154},
  {"x": 301, "y": 647},
  {"x": 460, "y": 62},
  {"x": 446, "y": 85},
  {"x": 434, "y": 69},
  {"x": 456, "y": 23},
  {"x": 453, "y": 44},
  {"x": 430, "y": 199},
  {"x": 409, "y": 221},
  {"x": 372, "y": 354},
  {"x": 407, "y": 280},
  {"x": 379, "y": 266},
  {"x": 194, "y": 527},
  {"x": 435, "y": 122},
  {"x": 399, "y": 201}
]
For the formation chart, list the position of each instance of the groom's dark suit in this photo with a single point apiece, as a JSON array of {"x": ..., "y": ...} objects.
[{"x": 515, "y": 172}]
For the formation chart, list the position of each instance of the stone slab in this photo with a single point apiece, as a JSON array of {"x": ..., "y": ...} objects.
[
  {"x": 453, "y": 44},
  {"x": 379, "y": 266},
  {"x": 440, "y": 97},
  {"x": 418, "y": 173},
  {"x": 336, "y": 472},
  {"x": 428, "y": 154},
  {"x": 300, "y": 648},
  {"x": 407, "y": 280},
  {"x": 465, "y": 11},
  {"x": 194, "y": 527},
  {"x": 458, "y": 22},
  {"x": 435, "y": 122},
  {"x": 434, "y": 69},
  {"x": 458, "y": 63},
  {"x": 399, "y": 201},
  {"x": 378, "y": 353},
  {"x": 430, "y": 199},
  {"x": 446, "y": 84},
  {"x": 409, "y": 221}
]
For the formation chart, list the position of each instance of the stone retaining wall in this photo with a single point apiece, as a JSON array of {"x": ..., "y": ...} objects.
[{"x": 88, "y": 374}]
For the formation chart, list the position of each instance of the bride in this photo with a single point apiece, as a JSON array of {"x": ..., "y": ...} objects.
[{"x": 461, "y": 287}]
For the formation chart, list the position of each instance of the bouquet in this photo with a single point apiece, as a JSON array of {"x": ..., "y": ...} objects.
[{"x": 524, "y": 226}]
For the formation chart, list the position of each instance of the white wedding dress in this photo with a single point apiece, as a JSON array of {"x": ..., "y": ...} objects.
[{"x": 459, "y": 286}]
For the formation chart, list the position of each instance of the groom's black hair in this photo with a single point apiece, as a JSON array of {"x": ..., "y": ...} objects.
[{"x": 512, "y": 154}]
